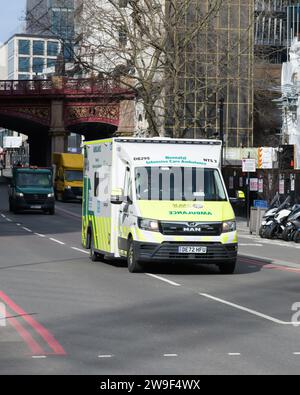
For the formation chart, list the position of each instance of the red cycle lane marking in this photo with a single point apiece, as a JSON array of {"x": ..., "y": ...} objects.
[
  {"x": 40, "y": 329},
  {"x": 269, "y": 266},
  {"x": 35, "y": 348}
]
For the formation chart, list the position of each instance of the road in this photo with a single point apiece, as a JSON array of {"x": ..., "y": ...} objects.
[{"x": 70, "y": 316}]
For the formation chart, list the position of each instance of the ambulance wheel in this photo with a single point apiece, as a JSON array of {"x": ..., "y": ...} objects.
[
  {"x": 94, "y": 256},
  {"x": 133, "y": 264},
  {"x": 228, "y": 267}
]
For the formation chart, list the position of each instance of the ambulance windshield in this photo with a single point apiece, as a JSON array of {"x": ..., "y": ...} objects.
[{"x": 178, "y": 184}]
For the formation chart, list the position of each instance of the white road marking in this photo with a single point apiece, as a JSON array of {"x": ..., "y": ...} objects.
[
  {"x": 105, "y": 356},
  {"x": 56, "y": 241},
  {"x": 250, "y": 245},
  {"x": 296, "y": 353},
  {"x": 39, "y": 234},
  {"x": 233, "y": 354},
  {"x": 18, "y": 224},
  {"x": 8, "y": 219},
  {"x": 2, "y": 215},
  {"x": 254, "y": 312},
  {"x": 163, "y": 279},
  {"x": 27, "y": 230},
  {"x": 170, "y": 355},
  {"x": 39, "y": 356},
  {"x": 80, "y": 250}
]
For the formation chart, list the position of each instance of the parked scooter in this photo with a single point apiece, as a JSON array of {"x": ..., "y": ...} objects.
[
  {"x": 280, "y": 221},
  {"x": 292, "y": 227},
  {"x": 269, "y": 214},
  {"x": 297, "y": 235}
]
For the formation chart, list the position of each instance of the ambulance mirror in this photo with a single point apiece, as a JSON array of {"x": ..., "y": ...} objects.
[{"x": 117, "y": 196}]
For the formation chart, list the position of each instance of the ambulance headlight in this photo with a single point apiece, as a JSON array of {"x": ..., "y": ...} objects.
[
  {"x": 228, "y": 226},
  {"x": 148, "y": 224}
]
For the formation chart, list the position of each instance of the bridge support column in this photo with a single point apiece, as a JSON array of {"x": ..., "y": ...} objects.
[
  {"x": 59, "y": 140},
  {"x": 57, "y": 132}
]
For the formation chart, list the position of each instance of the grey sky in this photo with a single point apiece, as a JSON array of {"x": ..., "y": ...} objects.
[{"x": 11, "y": 17}]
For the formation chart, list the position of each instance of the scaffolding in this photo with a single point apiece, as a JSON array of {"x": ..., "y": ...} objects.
[{"x": 218, "y": 66}]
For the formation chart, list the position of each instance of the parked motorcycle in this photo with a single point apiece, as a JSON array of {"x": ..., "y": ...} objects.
[
  {"x": 269, "y": 214},
  {"x": 281, "y": 218},
  {"x": 292, "y": 226}
]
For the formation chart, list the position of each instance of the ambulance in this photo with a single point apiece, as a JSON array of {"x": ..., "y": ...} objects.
[{"x": 157, "y": 200}]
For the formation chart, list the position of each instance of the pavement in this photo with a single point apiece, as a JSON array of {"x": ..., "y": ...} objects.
[{"x": 66, "y": 315}]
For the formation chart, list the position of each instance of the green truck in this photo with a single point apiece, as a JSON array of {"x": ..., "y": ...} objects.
[{"x": 31, "y": 188}]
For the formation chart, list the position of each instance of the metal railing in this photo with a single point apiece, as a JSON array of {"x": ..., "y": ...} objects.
[{"x": 63, "y": 86}]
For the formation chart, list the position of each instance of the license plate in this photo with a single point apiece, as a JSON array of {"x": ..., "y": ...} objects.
[
  {"x": 192, "y": 250},
  {"x": 35, "y": 206}
]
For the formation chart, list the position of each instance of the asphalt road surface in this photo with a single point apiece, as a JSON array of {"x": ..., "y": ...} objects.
[{"x": 66, "y": 315}]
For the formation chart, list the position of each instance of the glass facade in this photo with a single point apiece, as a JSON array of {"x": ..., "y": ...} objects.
[
  {"x": 29, "y": 56},
  {"x": 51, "y": 62},
  {"x": 52, "y": 48},
  {"x": 24, "y": 47},
  {"x": 24, "y": 77},
  {"x": 24, "y": 64},
  {"x": 38, "y": 47},
  {"x": 38, "y": 65}
]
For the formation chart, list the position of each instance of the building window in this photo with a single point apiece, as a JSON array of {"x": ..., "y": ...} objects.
[
  {"x": 24, "y": 47},
  {"x": 37, "y": 65},
  {"x": 52, "y": 48},
  {"x": 24, "y": 64},
  {"x": 68, "y": 52},
  {"x": 38, "y": 48},
  {"x": 11, "y": 66},
  {"x": 24, "y": 77},
  {"x": 11, "y": 47},
  {"x": 51, "y": 62}
]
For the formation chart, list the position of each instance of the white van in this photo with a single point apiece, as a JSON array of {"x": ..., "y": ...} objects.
[{"x": 157, "y": 200}]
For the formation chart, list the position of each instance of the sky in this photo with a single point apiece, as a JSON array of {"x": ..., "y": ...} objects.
[{"x": 11, "y": 17}]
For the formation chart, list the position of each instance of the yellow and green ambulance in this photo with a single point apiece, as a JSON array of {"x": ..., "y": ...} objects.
[{"x": 157, "y": 200}]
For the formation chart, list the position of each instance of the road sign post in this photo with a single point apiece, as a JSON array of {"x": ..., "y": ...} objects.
[{"x": 248, "y": 166}]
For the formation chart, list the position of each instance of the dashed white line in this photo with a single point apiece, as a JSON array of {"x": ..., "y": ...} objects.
[
  {"x": 8, "y": 219},
  {"x": 2, "y": 215},
  {"x": 56, "y": 241},
  {"x": 105, "y": 356},
  {"x": 39, "y": 234},
  {"x": 80, "y": 250},
  {"x": 296, "y": 353},
  {"x": 27, "y": 230},
  {"x": 18, "y": 224},
  {"x": 253, "y": 312},
  {"x": 250, "y": 245},
  {"x": 170, "y": 355},
  {"x": 39, "y": 356},
  {"x": 234, "y": 354},
  {"x": 163, "y": 279}
]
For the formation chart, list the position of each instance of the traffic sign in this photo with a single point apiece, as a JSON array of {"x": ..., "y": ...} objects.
[{"x": 249, "y": 165}]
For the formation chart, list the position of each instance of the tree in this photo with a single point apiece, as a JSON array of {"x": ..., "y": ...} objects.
[
  {"x": 154, "y": 46},
  {"x": 179, "y": 57}
]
